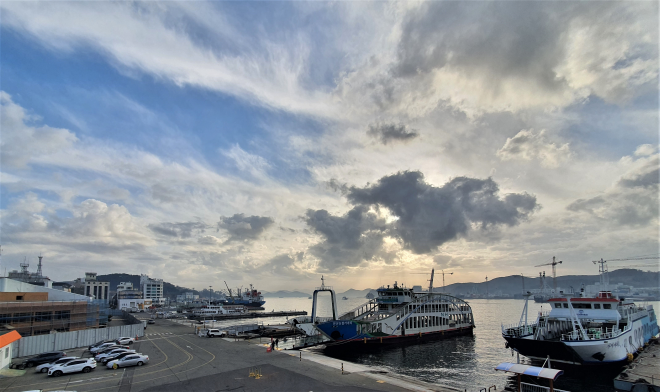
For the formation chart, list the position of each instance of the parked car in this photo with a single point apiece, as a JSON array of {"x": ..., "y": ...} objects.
[
  {"x": 110, "y": 348},
  {"x": 125, "y": 340},
  {"x": 102, "y": 347},
  {"x": 129, "y": 360},
  {"x": 42, "y": 358},
  {"x": 151, "y": 321},
  {"x": 99, "y": 343},
  {"x": 99, "y": 357},
  {"x": 84, "y": 365},
  {"x": 212, "y": 333},
  {"x": 116, "y": 356},
  {"x": 43, "y": 368}
]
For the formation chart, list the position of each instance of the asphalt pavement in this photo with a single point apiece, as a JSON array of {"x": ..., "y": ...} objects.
[{"x": 182, "y": 361}]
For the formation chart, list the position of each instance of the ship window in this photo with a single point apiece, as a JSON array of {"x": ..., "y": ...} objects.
[
  {"x": 557, "y": 305},
  {"x": 582, "y": 306},
  {"x": 566, "y": 306},
  {"x": 607, "y": 306},
  {"x": 596, "y": 306}
]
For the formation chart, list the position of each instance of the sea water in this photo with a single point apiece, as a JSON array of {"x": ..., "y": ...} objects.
[{"x": 465, "y": 362}]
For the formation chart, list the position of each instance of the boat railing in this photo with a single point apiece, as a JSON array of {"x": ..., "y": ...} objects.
[
  {"x": 308, "y": 319},
  {"x": 360, "y": 310},
  {"x": 593, "y": 334},
  {"x": 525, "y": 387},
  {"x": 518, "y": 330}
]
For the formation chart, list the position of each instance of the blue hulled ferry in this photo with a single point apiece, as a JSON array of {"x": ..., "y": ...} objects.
[{"x": 397, "y": 314}]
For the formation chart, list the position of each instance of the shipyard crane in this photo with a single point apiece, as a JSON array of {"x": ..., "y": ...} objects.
[
  {"x": 554, "y": 271},
  {"x": 228, "y": 289},
  {"x": 603, "y": 271},
  {"x": 431, "y": 280}
]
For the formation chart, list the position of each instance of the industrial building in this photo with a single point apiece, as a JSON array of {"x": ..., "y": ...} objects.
[
  {"x": 37, "y": 310},
  {"x": 34, "y": 278}
]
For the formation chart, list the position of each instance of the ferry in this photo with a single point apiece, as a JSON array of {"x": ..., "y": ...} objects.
[
  {"x": 215, "y": 310},
  {"x": 601, "y": 330},
  {"x": 397, "y": 314}
]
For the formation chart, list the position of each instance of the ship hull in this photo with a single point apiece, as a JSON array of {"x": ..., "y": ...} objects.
[
  {"x": 254, "y": 304},
  {"x": 368, "y": 343}
]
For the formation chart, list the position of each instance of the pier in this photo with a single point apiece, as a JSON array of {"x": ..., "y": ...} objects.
[
  {"x": 643, "y": 371},
  {"x": 220, "y": 317}
]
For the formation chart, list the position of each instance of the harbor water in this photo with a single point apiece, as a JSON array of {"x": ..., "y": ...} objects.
[{"x": 464, "y": 362}]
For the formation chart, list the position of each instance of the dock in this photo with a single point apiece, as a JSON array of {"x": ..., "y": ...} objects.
[
  {"x": 643, "y": 371},
  {"x": 249, "y": 315}
]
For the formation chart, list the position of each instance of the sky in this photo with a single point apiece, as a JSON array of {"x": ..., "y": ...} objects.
[{"x": 273, "y": 143}]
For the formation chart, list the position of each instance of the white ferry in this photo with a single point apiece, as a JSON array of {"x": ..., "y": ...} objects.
[
  {"x": 584, "y": 331},
  {"x": 397, "y": 314},
  {"x": 214, "y": 310}
]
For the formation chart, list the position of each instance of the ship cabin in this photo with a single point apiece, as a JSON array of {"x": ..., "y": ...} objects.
[
  {"x": 603, "y": 308},
  {"x": 390, "y": 298}
]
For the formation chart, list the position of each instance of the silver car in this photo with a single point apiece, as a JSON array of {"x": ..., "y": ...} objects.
[
  {"x": 43, "y": 368},
  {"x": 129, "y": 360}
]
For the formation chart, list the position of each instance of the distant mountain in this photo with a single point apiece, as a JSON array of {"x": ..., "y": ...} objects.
[
  {"x": 284, "y": 294},
  {"x": 514, "y": 284},
  {"x": 352, "y": 293}
]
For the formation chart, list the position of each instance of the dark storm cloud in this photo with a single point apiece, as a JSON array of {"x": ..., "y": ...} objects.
[
  {"x": 387, "y": 133},
  {"x": 430, "y": 216},
  {"x": 348, "y": 239},
  {"x": 501, "y": 39},
  {"x": 241, "y": 227},
  {"x": 178, "y": 230}
]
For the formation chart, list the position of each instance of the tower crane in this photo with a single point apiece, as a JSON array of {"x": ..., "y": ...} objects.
[
  {"x": 554, "y": 270},
  {"x": 603, "y": 271}
]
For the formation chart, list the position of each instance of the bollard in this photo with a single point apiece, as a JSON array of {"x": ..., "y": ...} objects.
[
  {"x": 301, "y": 356},
  {"x": 342, "y": 368}
]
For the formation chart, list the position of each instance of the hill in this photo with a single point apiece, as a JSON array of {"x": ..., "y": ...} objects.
[{"x": 284, "y": 294}]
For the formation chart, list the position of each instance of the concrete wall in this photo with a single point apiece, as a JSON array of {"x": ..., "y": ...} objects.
[
  {"x": 11, "y": 297},
  {"x": 33, "y": 345}
]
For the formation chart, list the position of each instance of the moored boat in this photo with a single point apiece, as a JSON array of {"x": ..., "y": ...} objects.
[
  {"x": 397, "y": 314},
  {"x": 582, "y": 330}
]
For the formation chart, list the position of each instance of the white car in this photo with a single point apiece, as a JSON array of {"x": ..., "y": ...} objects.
[
  {"x": 43, "y": 368},
  {"x": 129, "y": 360},
  {"x": 125, "y": 340},
  {"x": 102, "y": 347},
  {"x": 84, "y": 365},
  {"x": 99, "y": 357}
]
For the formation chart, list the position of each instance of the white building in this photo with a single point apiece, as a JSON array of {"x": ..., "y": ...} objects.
[
  {"x": 133, "y": 304},
  {"x": 6, "y": 341},
  {"x": 152, "y": 289},
  {"x": 94, "y": 288},
  {"x": 123, "y": 286},
  {"x": 187, "y": 297}
]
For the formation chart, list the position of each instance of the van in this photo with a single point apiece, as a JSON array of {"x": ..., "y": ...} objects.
[{"x": 212, "y": 333}]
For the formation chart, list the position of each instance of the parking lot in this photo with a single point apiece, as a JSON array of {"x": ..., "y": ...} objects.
[{"x": 178, "y": 359}]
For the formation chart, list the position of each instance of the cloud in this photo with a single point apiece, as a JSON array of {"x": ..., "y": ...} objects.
[
  {"x": 388, "y": 133},
  {"x": 645, "y": 150},
  {"x": 179, "y": 230},
  {"x": 22, "y": 143},
  {"x": 166, "y": 41},
  {"x": 526, "y": 145},
  {"x": 423, "y": 217},
  {"x": 633, "y": 201},
  {"x": 429, "y": 216},
  {"x": 245, "y": 228}
]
